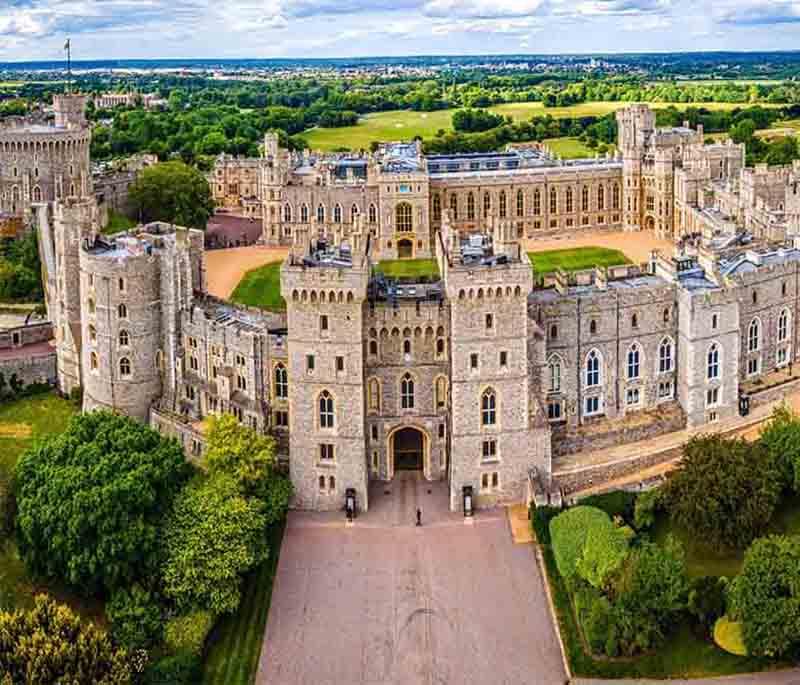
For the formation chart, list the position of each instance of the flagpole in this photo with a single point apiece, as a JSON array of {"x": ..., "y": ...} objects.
[{"x": 68, "y": 48}]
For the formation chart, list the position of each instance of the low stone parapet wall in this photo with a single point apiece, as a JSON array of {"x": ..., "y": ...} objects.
[{"x": 30, "y": 370}]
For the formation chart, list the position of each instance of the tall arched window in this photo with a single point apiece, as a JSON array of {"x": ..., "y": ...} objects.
[
  {"x": 615, "y": 203},
  {"x": 488, "y": 408},
  {"x": 122, "y": 311},
  {"x": 374, "y": 394},
  {"x": 783, "y": 326},
  {"x": 321, "y": 214},
  {"x": 287, "y": 213},
  {"x": 585, "y": 199},
  {"x": 337, "y": 213},
  {"x": 373, "y": 214},
  {"x": 437, "y": 208},
  {"x": 503, "y": 207},
  {"x": 553, "y": 200},
  {"x": 520, "y": 203},
  {"x": 353, "y": 213},
  {"x": 454, "y": 207},
  {"x": 281, "y": 382},
  {"x": 470, "y": 206},
  {"x": 124, "y": 339},
  {"x": 124, "y": 367},
  {"x": 407, "y": 392},
  {"x": 633, "y": 361},
  {"x": 37, "y": 194},
  {"x": 601, "y": 198},
  {"x": 487, "y": 204},
  {"x": 665, "y": 356},
  {"x": 90, "y": 304},
  {"x": 403, "y": 223},
  {"x": 754, "y": 336},
  {"x": 92, "y": 334},
  {"x": 593, "y": 369},
  {"x": 537, "y": 202},
  {"x": 712, "y": 365},
  {"x": 554, "y": 368},
  {"x": 326, "y": 410},
  {"x": 304, "y": 213},
  {"x": 93, "y": 363},
  {"x": 569, "y": 201}
]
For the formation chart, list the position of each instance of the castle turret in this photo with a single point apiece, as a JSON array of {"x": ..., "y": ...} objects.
[
  {"x": 636, "y": 127},
  {"x": 70, "y": 110},
  {"x": 273, "y": 178}
]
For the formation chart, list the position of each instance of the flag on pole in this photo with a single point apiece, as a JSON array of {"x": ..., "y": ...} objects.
[{"x": 66, "y": 45}]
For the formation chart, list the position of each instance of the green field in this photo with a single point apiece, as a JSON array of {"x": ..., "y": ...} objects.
[
  {"x": 261, "y": 288},
  {"x": 234, "y": 646},
  {"x": 405, "y": 124},
  {"x": 576, "y": 259},
  {"x": 569, "y": 148},
  {"x": 409, "y": 269}
]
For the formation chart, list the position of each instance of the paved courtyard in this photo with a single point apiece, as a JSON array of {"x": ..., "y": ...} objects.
[{"x": 384, "y": 602}]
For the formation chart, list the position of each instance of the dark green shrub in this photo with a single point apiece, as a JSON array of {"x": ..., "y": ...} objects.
[
  {"x": 617, "y": 503},
  {"x": 647, "y": 506},
  {"x": 135, "y": 617},
  {"x": 179, "y": 669},
  {"x": 706, "y": 602},
  {"x": 593, "y": 612},
  {"x": 541, "y": 522},
  {"x": 188, "y": 633},
  {"x": 8, "y": 508}
]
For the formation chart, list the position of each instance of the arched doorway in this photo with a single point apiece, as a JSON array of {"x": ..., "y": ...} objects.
[
  {"x": 650, "y": 223},
  {"x": 405, "y": 249},
  {"x": 408, "y": 449}
]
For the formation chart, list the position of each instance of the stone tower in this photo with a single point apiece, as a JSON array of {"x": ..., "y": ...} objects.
[
  {"x": 325, "y": 293},
  {"x": 494, "y": 440},
  {"x": 274, "y": 173},
  {"x": 636, "y": 126},
  {"x": 70, "y": 110}
]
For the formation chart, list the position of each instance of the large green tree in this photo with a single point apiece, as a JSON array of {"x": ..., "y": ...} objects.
[
  {"x": 213, "y": 537},
  {"x": 173, "y": 192},
  {"x": 725, "y": 491},
  {"x": 765, "y": 596},
  {"x": 249, "y": 457},
  {"x": 91, "y": 501},
  {"x": 781, "y": 438},
  {"x": 48, "y": 645}
]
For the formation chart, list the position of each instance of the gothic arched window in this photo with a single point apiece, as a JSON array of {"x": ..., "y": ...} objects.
[
  {"x": 407, "y": 392},
  {"x": 488, "y": 408},
  {"x": 281, "y": 382},
  {"x": 403, "y": 221},
  {"x": 326, "y": 410},
  {"x": 593, "y": 369}
]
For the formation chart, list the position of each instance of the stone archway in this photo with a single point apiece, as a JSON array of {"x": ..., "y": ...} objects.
[
  {"x": 408, "y": 450},
  {"x": 650, "y": 223}
]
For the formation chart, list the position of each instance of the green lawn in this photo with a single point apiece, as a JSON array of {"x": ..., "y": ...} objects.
[
  {"x": 406, "y": 124},
  {"x": 569, "y": 148},
  {"x": 409, "y": 269},
  {"x": 261, "y": 288},
  {"x": 117, "y": 223},
  {"x": 234, "y": 647},
  {"x": 576, "y": 259}
]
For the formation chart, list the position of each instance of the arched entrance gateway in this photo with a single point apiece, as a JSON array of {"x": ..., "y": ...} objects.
[
  {"x": 408, "y": 447},
  {"x": 405, "y": 249}
]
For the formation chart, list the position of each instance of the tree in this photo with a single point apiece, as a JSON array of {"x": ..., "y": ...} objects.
[
  {"x": 706, "y": 600},
  {"x": 781, "y": 439},
  {"x": 135, "y": 617},
  {"x": 49, "y": 645},
  {"x": 765, "y": 596},
  {"x": 91, "y": 501},
  {"x": 215, "y": 535},
  {"x": 725, "y": 491},
  {"x": 173, "y": 192},
  {"x": 249, "y": 458}
]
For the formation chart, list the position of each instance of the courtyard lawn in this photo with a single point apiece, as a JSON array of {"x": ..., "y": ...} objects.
[
  {"x": 261, "y": 288},
  {"x": 409, "y": 269},
  {"x": 234, "y": 647},
  {"x": 576, "y": 259},
  {"x": 569, "y": 148},
  {"x": 406, "y": 124}
]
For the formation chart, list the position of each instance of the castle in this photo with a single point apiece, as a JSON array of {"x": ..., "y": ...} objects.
[{"x": 482, "y": 377}]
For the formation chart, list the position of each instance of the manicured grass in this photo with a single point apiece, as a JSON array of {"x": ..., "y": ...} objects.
[
  {"x": 409, "y": 269},
  {"x": 406, "y": 124},
  {"x": 234, "y": 647},
  {"x": 117, "y": 223},
  {"x": 576, "y": 259},
  {"x": 261, "y": 288},
  {"x": 683, "y": 656},
  {"x": 570, "y": 148}
]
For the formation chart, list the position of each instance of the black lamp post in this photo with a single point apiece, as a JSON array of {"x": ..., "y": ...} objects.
[
  {"x": 350, "y": 503},
  {"x": 744, "y": 405}
]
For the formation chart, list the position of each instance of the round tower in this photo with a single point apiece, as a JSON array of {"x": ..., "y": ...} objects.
[{"x": 121, "y": 326}]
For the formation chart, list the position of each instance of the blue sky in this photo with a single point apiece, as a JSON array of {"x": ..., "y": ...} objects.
[{"x": 36, "y": 29}]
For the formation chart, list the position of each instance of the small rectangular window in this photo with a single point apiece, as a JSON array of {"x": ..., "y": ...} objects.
[
  {"x": 339, "y": 364},
  {"x": 374, "y": 432},
  {"x": 282, "y": 419},
  {"x": 310, "y": 362},
  {"x": 441, "y": 430},
  {"x": 326, "y": 452},
  {"x": 504, "y": 358},
  {"x": 489, "y": 450},
  {"x": 489, "y": 321},
  {"x": 473, "y": 361},
  {"x": 323, "y": 322},
  {"x": 554, "y": 411}
]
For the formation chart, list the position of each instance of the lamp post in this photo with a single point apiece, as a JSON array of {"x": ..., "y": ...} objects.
[
  {"x": 350, "y": 503},
  {"x": 466, "y": 494}
]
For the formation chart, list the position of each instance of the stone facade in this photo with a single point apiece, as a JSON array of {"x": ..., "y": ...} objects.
[
  {"x": 112, "y": 181},
  {"x": 482, "y": 377}
]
